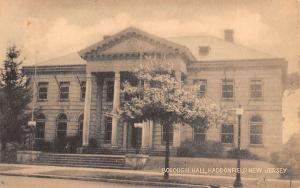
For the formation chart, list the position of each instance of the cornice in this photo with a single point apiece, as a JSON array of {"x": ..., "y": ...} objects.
[
  {"x": 237, "y": 64},
  {"x": 51, "y": 69}
]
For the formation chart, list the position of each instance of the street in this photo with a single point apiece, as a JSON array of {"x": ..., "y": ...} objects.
[{"x": 30, "y": 182}]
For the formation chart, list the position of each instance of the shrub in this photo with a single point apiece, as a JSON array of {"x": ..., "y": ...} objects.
[
  {"x": 93, "y": 143},
  {"x": 207, "y": 149},
  {"x": 287, "y": 160},
  {"x": 45, "y": 146},
  {"x": 60, "y": 144},
  {"x": 72, "y": 143},
  {"x": 244, "y": 154},
  {"x": 186, "y": 149},
  {"x": 9, "y": 155}
]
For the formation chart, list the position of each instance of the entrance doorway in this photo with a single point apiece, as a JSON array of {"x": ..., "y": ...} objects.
[{"x": 136, "y": 141}]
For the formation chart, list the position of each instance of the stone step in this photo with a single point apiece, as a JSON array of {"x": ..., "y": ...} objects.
[
  {"x": 84, "y": 159},
  {"x": 130, "y": 151},
  {"x": 82, "y": 165},
  {"x": 81, "y": 160}
]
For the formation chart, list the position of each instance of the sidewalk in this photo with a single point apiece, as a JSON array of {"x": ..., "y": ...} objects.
[{"x": 135, "y": 176}]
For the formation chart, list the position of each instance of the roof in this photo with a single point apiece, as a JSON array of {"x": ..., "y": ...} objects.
[
  {"x": 219, "y": 49},
  {"x": 69, "y": 59}
]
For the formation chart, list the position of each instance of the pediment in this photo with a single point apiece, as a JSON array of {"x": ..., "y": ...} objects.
[
  {"x": 134, "y": 45},
  {"x": 132, "y": 41}
]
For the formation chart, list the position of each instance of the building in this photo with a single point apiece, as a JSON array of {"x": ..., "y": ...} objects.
[{"x": 80, "y": 93}]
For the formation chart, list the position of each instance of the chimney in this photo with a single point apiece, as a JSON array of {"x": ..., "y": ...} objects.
[
  {"x": 106, "y": 37},
  {"x": 228, "y": 35}
]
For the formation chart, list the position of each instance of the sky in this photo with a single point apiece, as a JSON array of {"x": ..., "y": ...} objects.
[{"x": 51, "y": 28}]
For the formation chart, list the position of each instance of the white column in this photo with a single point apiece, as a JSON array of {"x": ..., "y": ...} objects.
[
  {"x": 176, "y": 135},
  {"x": 145, "y": 134},
  {"x": 125, "y": 135},
  {"x": 116, "y": 105},
  {"x": 87, "y": 110},
  {"x": 150, "y": 134}
]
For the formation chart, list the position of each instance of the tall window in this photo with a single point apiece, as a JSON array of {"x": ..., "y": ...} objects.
[
  {"x": 165, "y": 133},
  {"x": 64, "y": 88},
  {"x": 110, "y": 91},
  {"x": 42, "y": 90},
  {"x": 80, "y": 126},
  {"x": 199, "y": 135},
  {"x": 256, "y": 130},
  {"x": 40, "y": 127},
  {"x": 108, "y": 130},
  {"x": 61, "y": 127},
  {"x": 227, "y": 136},
  {"x": 82, "y": 90},
  {"x": 202, "y": 86},
  {"x": 255, "y": 89},
  {"x": 227, "y": 89}
]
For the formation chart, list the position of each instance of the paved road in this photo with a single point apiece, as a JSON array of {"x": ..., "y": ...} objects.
[{"x": 29, "y": 182}]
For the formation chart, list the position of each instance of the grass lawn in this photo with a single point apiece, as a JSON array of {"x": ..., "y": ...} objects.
[
  {"x": 7, "y": 168},
  {"x": 117, "y": 175},
  {"x": 224, "y": 181}
]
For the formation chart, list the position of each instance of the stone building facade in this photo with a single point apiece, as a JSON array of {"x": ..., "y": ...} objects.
[{"x": 79, "y": 94}]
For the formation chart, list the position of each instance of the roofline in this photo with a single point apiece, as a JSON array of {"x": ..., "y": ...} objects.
[
  {"x": 55, "y": 69},
  {"x": 236, "y": 60}
]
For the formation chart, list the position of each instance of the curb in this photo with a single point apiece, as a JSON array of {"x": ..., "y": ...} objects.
[{"x": 108, "y": 180}]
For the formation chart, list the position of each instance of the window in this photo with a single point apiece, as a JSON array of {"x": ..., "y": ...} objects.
[
  {"x": 255, "y": 89},
  {"x": 165, "y": 133},
  {"x": 199, "y": 135},
  {"x": 64, "y": 90},
  {"x": 61, "y": 129},
  {"x": 40, "y": 127},
  {"x": 204, "y": 50},
  {"x": 202, "y": 86},
  {"x": 227, "y": 136},
  {"x": 80, "y": 126},
  {"x": 82, "y": 90},
  {"x": 108, "y": 130},
  {"x": 110, "y": 91},
  {"x": 227, "y": 89},
  {"x": 256, "y": 130},
  {"x": 42, "y": 90}
]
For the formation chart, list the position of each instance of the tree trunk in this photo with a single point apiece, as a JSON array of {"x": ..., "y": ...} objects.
[{"x": 167, "y": 153}]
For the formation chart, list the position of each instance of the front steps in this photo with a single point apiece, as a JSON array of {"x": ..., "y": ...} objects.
[
  {"x": 82, "y": 160},
  {"x": 121, "y": 151}
]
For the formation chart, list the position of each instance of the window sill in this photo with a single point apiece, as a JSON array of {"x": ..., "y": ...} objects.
[
  {"x": 42, "y": 100},
  {"x": 106, "y": 145},
  {"x": 256, "y": 99},
  {"x": 228, "y": 144},
  {"x": 227, "y": 100},
  {"x": 256, "y": 145},
  {"x": 164, "y": 144},
  {"x": 64, "y": 100}
]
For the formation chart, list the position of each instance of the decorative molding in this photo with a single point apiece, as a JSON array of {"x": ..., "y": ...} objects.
[
  {"x": 54, "y": 69},
  {"x": 94, "y": 52}
]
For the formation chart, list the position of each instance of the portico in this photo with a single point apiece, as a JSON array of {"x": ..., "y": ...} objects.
[{"x": 118, "y": 55}]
